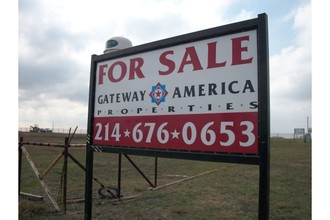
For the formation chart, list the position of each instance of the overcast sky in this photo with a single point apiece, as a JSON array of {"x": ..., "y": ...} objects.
[{"x": 57, "y": 38}]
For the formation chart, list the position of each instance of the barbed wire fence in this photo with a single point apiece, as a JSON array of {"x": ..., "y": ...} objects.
[{"x": 57, "y": 130}]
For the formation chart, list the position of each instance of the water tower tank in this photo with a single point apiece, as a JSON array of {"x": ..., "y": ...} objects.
[{"x": 117, "y": 43}]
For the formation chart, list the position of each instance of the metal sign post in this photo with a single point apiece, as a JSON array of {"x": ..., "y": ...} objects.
[
  {"x": 264, "y": 117},
  {"x": 198, "y": 96}
]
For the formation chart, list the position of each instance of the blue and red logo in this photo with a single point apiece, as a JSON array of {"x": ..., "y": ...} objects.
[{"x": 158, "y": 93}]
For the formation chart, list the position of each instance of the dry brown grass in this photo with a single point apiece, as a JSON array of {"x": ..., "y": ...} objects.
[{"x": 231, "y": 192}]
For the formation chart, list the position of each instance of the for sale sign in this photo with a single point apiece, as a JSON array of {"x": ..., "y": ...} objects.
[{"x": 197, "y": 96}]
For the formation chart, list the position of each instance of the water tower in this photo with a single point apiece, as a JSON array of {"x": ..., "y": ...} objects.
[{"x": 117, "y": 43}]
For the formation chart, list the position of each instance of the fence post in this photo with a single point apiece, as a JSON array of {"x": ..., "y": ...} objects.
[
  {"x": 119, "y": 176},
  {"x": 156, "y": 171},
  {"x": 19, "y": 164},
  {"x": 65, "y": 173}
]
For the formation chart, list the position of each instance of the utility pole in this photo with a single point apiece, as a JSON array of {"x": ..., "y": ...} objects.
[{"x": 308, "y": 129}]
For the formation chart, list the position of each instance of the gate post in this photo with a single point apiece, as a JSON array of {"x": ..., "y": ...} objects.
[
  {"x": 65, "y": 172},
  {"x": 19, "y": 164}
]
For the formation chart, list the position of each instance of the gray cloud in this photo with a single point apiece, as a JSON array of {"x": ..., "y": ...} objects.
[
  {"x": 48, "y": 60},
  {"x": 34, "y": 74},
  {"x": 146, "y": 30},
  {"x": 55, "y": 45}
]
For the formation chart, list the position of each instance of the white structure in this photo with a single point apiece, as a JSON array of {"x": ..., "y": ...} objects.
[
  {"x": 299, "y": 133},
  {"x": 117, "y": 43}
]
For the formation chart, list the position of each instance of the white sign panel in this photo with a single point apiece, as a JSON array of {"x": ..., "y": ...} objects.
[{"x": 200, "y": 96}]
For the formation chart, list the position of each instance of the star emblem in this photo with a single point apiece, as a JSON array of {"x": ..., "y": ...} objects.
[
  {"x": 127, "y": 133},
  {"x": 175, "y": 134},
  {"x": 158, "y": 93}
]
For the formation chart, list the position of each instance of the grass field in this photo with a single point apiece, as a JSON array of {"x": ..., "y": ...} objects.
[{"x": 229, "y": 191}]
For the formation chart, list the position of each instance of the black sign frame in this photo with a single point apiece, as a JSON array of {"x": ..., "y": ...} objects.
[{"x": 260, "y": 24}]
